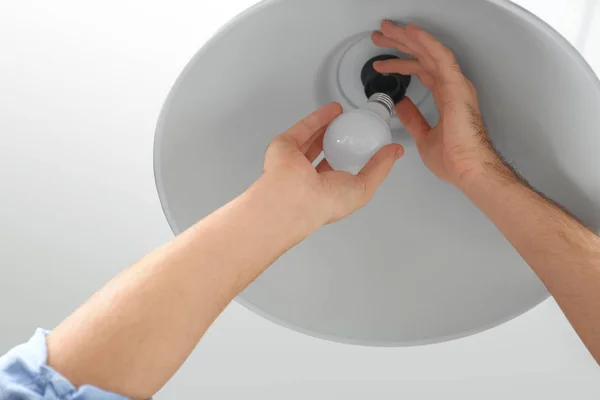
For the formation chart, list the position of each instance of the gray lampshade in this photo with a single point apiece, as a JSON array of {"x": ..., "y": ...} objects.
[{"x": 420, "y": 264}]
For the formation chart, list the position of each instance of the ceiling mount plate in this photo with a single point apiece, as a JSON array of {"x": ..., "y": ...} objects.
[{"x": 339, "y": 78}]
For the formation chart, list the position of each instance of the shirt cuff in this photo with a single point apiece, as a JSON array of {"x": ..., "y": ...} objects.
[{"x": 24, "y": 374}]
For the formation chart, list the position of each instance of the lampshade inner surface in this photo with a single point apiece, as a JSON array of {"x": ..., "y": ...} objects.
[{"x": 421, "y": 263}]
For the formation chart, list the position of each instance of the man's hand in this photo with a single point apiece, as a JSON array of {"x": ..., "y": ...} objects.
[
  {"x": 562, "y": 252},
  {"x": 322, "y": 193},
  {"x": 458, "y": 147}
]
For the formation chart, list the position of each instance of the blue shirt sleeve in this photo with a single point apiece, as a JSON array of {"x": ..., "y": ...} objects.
[{"x": 24, "y": 375}]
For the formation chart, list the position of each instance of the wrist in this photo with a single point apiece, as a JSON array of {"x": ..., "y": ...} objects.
[
  {"x": 289, "y": 202},
  {"x": 491, "y": 168}
]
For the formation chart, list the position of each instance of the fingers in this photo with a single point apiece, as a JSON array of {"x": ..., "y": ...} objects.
[
  {"x": 377, "y": 169},
  {"x": 402, "y": 66},
  {"x": 302, "y": 132},
  {"x": 433, "y": 55},
  {"x": 324, "y": 166},
  {"x": 406, "y": 66},
  {"x": 380, "y": 40},
  {"x": 413, "y": 120},
  {"x": 308, "y": 144},
  {"x": 442, "y": 56},
  {"x": 400, "y": 35},
  {"x": 394, "y": 32},
  {"x": 438, "y": 52},
  {"x": 316, "y": 148}
]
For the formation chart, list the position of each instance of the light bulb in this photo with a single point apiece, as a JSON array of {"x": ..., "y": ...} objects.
[{"x": 355, "y": 136}]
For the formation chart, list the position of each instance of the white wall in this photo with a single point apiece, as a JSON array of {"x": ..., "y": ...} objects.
[{"x": 81, "y": 86}]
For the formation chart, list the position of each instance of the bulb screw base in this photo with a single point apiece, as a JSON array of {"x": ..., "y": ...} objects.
[{"x": 384, "y": 100}]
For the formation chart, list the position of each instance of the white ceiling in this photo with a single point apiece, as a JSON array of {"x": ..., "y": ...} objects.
[{"x": 81, "y": 86}]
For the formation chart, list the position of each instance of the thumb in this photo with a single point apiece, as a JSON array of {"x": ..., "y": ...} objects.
[
  {"x": 412, "y": 119},
  {"x": 377, "y": 169}
]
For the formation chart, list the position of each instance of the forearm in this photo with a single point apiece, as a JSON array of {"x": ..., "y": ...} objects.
[
  {"x": 562, "y": 252},
  {"x": 134, "y": 334}
]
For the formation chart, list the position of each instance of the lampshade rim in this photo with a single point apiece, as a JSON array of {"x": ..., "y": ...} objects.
[{"x": 387, "y": 343}]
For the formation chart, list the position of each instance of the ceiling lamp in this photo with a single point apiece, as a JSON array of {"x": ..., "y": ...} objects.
[{"x": 420, "y": 264}]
